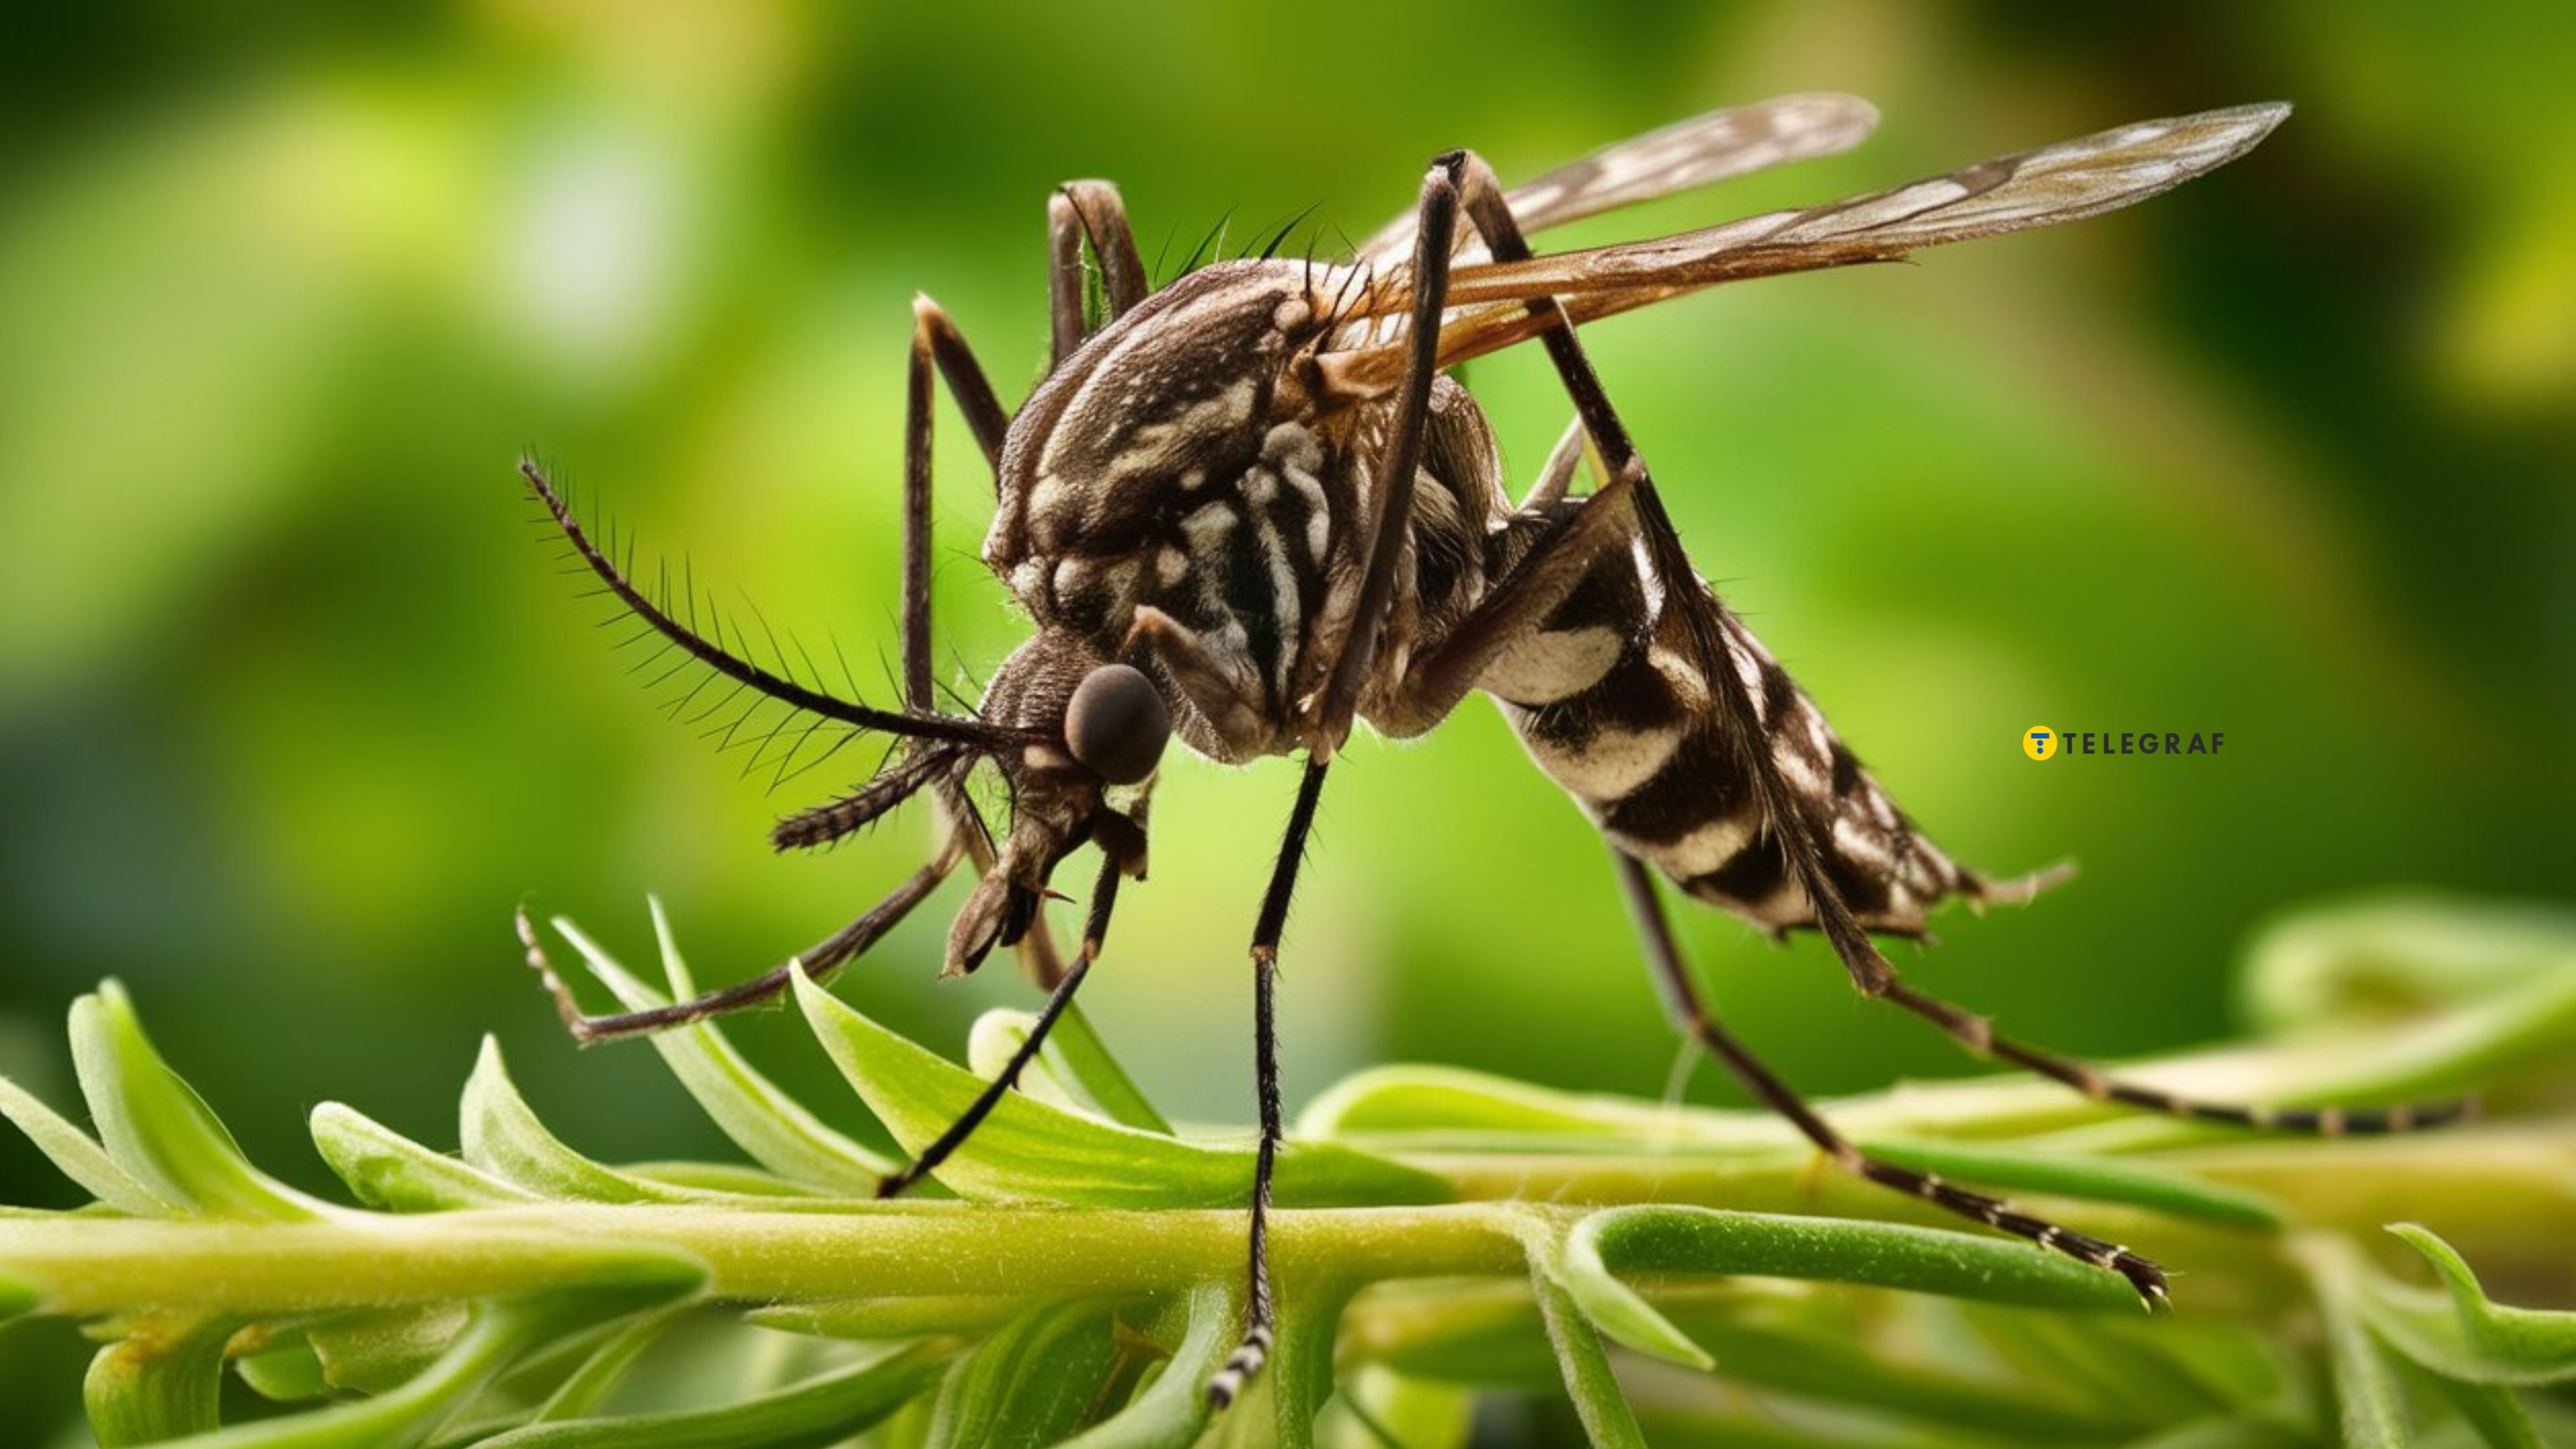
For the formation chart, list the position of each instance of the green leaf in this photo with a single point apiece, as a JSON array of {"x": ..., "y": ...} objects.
[
  {"x": 1030, "y": 1384},
  {"x": 1074, "y": 1070},
  {"x": 2457, "y": 1333},
  {"x": 2533, "y": 1022},
  {"x": 2120, "y": 1371},
  {"x": 76, "y": 1155},
  {"x": 2233, "y": 1431},
  {"x": 2494, "y": 1412},
  {"x": 891, "y": 1318},
  {"x": 1027, "y": 1150},
  {"x": 1299, "y": 1377},
  {"x": 997, "y": 1035},
  {"x": 2369, "y": 1403},
  {"x": 1818, "y": 1357},
  {"x": 1886, "y": 1255},
  {"x": 392, "y": 1173},
  {"x": 583, "y": 1390},
  {"x": 1486, "y": 1335},
  {"x": 1173, "y": 1409},
  {"x": 2159, "y": 1189},
  {"x": 1450, "y": 1100},
  {"x": 373, "y": 1350},
  {"x": 159, "y": 1381},
  {"x": 2393, "y": 956},
  {"x": 1608, "y": 1422},
  {"x": 1618, "y": 1310},
  {"x": 410, "y": 1412},
  {"x": 774, "y": 1128},
  {"x": 504, "y": 1139},
  {"x": 285, "y": 1372},
  {"x": 156, "y": 1128},
  {"x": 825, "y": 1409}
]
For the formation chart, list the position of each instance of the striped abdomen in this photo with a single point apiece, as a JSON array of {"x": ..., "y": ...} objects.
[{"x": 1610, "y": 704}]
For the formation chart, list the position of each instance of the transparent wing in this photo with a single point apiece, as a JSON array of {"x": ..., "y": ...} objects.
[
  {"x": 1489, "y": 301},
  {"x": 1680, "y": 157}
]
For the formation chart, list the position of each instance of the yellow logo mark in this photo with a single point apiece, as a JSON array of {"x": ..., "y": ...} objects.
[{"x": 2039, "y": 744}]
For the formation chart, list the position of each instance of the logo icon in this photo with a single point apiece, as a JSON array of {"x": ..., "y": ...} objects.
[{"x": 2039, "y": 744}]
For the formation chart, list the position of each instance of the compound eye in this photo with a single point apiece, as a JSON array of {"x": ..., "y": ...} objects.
[{"x": 1116, "y": 724}]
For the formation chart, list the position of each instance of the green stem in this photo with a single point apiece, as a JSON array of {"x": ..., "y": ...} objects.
[
  {"x": 2488, "y": 1185},
  {"x": 85, "y": 1265}
]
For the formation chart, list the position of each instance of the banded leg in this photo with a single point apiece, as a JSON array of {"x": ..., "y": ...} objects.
[
  {"x": 1482, "y": 198},
  {"x": 1330, "y": 722},
  {"x": 1260, "y": 1319},
  {"x": 1978, "y": 1035},
  {"x": 1095, "y": 933},
  {"x": 1682, "y": 997},
  {"x": 818, "y": 963},
  {"x": 1080, "y": 212},
  {"x": 1488, "y": 210}
]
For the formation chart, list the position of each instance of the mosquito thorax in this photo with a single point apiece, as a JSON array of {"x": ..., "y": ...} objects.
[{"x": 1170, "y": 400}]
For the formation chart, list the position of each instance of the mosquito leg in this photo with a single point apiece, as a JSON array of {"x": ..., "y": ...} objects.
[
  {"x": 1230, "y": 703},
  {"x": 1260, "y": 1319},
  {"x": 1329, "y": 724},
  {"x": 1095, "y": 932},
  {"x": 1339, "y": 700},
  {"x": 1482, "y": 199},
  {"x": 826, "y": 957},
  {"x": 1556, "y": 475},
  {"x": 1526, "y": 598},
  {"x": 936, "y": 343},
  {"x": 1978, "y": 1036},
  {"x": 1080, "y": 212},
  {"x": 1691, "y": 1013},
  {"x": 1782, "y": 814}
]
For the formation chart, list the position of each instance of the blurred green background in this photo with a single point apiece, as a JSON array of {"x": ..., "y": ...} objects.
[{"x": 292, "y": 711}]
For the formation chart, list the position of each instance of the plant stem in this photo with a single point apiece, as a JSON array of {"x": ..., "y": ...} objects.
[
  {"x": 90, "y": 1265},
  {"x": 2487, "y": 1185}
]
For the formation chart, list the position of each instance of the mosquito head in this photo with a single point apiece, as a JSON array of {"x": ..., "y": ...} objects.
[
  {"x": 1096, "y": 730},
  {"x": 1116, "y": 724}
]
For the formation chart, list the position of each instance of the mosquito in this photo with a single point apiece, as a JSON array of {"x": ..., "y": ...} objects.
[{"x": 1253, "y": 506}]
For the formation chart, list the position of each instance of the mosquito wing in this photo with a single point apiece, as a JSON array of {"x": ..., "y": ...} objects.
[
  {"x": 1681, "y": 157},
  {"x": 1491, "y": 303}
]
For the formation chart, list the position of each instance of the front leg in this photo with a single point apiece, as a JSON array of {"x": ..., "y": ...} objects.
[
  {"x": 1328, "y": 718},
  {"x": 1261, "y": 1317},
  {"x": 1095, "y": 934},
  {"x": 1088, "y": 212},
  {"x": 938, "y": 345}
]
